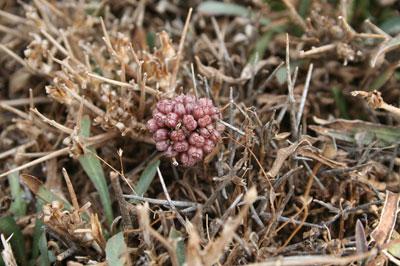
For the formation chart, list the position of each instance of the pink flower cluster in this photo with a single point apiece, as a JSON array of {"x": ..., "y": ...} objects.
[{"x": 185, "y": 128}]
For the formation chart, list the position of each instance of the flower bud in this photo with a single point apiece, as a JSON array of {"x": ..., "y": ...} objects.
[
  {"x": 189, "y": 122},
  {"x": 162, "y": 145},
  {"x": 196, "y": 140},
  {"x": 208, "y": 146},
  {"x": 204, "y": 121},
  {"x": 160, "y": 119},
  {"x": 170, "y": 152},
  {"x": 171, "y": 120},
  {"x": 165, "y": 106},
  {"x": 181, "y": 146},
  {"x": 179, "y": 109},
  {"x": 177, "y": 135},
  {"x": 196, "y": 153},
  {"x": 152, "y": 125},
  {"x": 185, "y": 128},
  {"x": 161, "y": 134},
  {"x": 198, "y": 113}
]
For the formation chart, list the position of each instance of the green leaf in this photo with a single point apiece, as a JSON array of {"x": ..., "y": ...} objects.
[
  {"x": 281, "y": 74},
  {"x": 357, "y": 131},
  {"x": 383, "y": 77},
  {"x": 18, "y": 205},
  {"x": 116, "y": 250},
  {"x": 92, "y": 166},
  {"x": 340, "y": 102},
  {"x": 151, "y": 40},
  {"x": 216, "y": 8},
  {"x": 394, "y": 249},
  {"x": 385, "y": 47},
  {"x": 391, "y": 25},
  {"x": 44, "y": 252},
  {"x": 147, "y": 177},
  {"x": 304, "y": 7},
  {"x": 261, "y": 46},
  {"x": 263, "y": 42},
  {"x": 37, "y": 233},
  {"x": 180, "y": 245},
  {"x": 37, "y": 187},
  {"x": 9, "y": 227}
]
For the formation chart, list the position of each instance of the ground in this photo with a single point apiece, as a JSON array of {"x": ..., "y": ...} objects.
[{"x": 304, "y": 166}]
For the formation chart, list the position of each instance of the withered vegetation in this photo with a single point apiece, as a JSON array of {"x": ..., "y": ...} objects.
[{"x": 306, "y": 173}]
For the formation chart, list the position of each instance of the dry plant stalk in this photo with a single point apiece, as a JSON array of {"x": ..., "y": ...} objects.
[
  {"x": 213, "y": 251},
  {"x": 7, "y": 253},
  {"x": 375, "y": 101}
]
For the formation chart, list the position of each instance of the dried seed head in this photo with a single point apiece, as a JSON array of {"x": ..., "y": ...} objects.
[{"x": 185, "y": 128}]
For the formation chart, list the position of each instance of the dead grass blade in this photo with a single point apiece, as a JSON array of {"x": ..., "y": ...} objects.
[
  {"x": 7, "y": 253},
  {"x": 361, "y": 240},
  {"x": 383, "y": 232},
  {"x": 215, "y": 249},
  {"x": 282, "y": 156}
]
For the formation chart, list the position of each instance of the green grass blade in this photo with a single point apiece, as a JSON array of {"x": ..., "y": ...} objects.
[
  {"x": 262, "y": 43},
  {"x": 18, "y": 205},
  {"x": 216, "y": 8},
  {"x": 391, "y": 25},
  {"x": 359, "y": 132},
  {"x": 146, "y": 178},
  {"x": 9, "y": 227},
  {"x": 42, "y": 192},
  {"x": 37, "y": 232},
  {"x": 386, "y": 47},
  {"x": 92, "y": 166},
  {"x": 383, "y": 78},
  {"x": 180, "y": 245},
  {"x": 304, "y": 8},
  {"x": 151, "y": 40},
  {"x": 44, "y": 252},
  {"x": 116, "y": 250},
  {"x": 340, "y": 102}
]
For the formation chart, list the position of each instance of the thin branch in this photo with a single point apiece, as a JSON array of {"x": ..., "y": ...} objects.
[
  {"x": 304, "y": 95},
  {"x": 172, "y": 82},
  {"x": 16, "y": 149},
  {"x": 54, "y": 154},
  {"x": 176, "y": 203},
  {"x": 126, "y": 219}
]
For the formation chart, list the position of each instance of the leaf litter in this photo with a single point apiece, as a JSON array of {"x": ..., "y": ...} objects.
[{"x": 307, "y": 169}]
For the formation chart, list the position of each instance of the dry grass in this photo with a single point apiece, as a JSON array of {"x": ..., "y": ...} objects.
[{"x": 305, "y": 173}]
